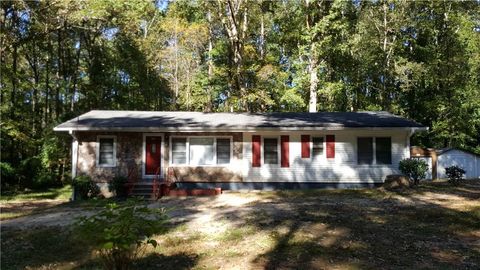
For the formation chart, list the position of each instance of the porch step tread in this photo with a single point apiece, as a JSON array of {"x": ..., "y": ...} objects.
[{"x": 143, "y": 183}]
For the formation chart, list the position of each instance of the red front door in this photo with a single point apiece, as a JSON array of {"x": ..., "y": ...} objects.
[{"x": 152, "y": 154}]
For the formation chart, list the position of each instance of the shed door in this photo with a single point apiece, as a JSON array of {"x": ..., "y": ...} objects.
[{"x": 152, "y": 154}]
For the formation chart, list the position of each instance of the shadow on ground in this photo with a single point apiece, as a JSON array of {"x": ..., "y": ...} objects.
[
  {"x": 362, "y": 228},
  {"x": 434, "y": 226}
]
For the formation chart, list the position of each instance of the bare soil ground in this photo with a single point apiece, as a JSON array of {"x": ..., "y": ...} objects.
[{"x": 433, "y": 226}]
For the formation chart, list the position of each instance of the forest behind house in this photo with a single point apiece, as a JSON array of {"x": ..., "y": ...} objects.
[{"x": 62, "y": 58}]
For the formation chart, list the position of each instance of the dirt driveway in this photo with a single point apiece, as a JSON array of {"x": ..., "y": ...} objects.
[
  {"x": 199, "y": 211},
  {"x": 434, "y": 226}
]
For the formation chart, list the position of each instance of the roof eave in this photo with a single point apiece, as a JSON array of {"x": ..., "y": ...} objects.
[{"x": 227, "y": 129}]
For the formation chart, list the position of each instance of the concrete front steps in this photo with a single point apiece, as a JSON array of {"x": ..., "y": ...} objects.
[
  {"x": 142, "y": 190},
  {"x": 145, "y": 190}
]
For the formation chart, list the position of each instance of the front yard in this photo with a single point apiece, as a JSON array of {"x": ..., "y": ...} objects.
[{"x": 435, "y": 226}]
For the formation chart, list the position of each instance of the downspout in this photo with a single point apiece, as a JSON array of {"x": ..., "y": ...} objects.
[{"x": 74, "y": 160}]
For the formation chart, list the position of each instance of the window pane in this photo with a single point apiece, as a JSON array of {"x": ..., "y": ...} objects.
[
  {"x": 383, "y": 150},
  {"x": 270, "y": 150},
  {"x": 365, "y": 150},
  {"x": 201, "y": 151},
  {"x": 317, "y": 146},
  {"x": 106, "y": 152},
  {"x": 153, "y": 148},
  {"x": 223, "y": 151},
  {"x": 179, "y": 150}
]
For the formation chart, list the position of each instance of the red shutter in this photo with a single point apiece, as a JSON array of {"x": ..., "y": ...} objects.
[
  {"x": 305, "y": 146},
  {"x": 256, "y": 157},
  {"x": 285, "y": 151},
  {"x": 330, "y": 146}
]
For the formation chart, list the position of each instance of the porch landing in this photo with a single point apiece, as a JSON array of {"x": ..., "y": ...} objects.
[{"x": 145, "y": 189}]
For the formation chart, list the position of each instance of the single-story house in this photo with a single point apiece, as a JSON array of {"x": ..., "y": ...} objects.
[
  {"x": 241, "y": 150},
  {"x": 439, "y": 159}
]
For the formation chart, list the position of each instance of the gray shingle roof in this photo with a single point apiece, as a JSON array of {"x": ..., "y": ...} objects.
[{"x": 158, "y": 120}]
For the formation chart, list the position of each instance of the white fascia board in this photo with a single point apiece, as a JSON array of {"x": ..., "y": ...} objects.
[{"x": 246, "y": 129}]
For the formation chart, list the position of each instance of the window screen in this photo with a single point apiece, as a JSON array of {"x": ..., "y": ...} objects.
[
  {"x": 223, "y": 151},
  {"x": 270, "y": 150},
  {"x": 383, "y": 150},
  {"x": 106, "y": 152},
  {"x": 317, "y": 146},
  {"x": 179, "y": 150},
  {"x": 365, "y": 150}
]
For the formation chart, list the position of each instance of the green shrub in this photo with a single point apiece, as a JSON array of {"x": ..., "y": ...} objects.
[
  {"x": 118, "y": 186},
  {"x": 85, "y": 188},
  {"x": 29, "y": 169},
  {"x": 455, "y": 174},
  {"x": 121, "y": 232},
  {"x": 414, "y": 168},
  {"x": 7, "y": 174}
]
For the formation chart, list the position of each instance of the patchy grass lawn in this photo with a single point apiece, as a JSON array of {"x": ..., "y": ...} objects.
[
  {"x": 32, "y": 202},
  {"x": 62, "y": 193},
  {"x": 434, "y": 226}
]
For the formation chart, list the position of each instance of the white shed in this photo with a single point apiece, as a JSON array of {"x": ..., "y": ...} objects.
[{"x": 470, "y": 162}]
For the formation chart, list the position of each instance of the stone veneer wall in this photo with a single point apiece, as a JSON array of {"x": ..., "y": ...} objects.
[{"x": 129, "y": 147}]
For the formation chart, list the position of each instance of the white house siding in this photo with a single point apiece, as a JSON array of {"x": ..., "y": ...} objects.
[
  {"x": 469, "y": 162},
  {"x": 342, "y": 168}
]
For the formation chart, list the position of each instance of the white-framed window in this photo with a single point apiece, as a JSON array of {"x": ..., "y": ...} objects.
[
  {"x": 383, "y": 150},
  {"x": 224, "y": 150},
  {"x": 317, "y": 146},
  {"x": 179, "y": 151},
  {"x": 374, "y": 150},
  {"x": 201, "y": 150},
  {"x": 106, "y": 151},
  {"x": 271, "y": 150}
]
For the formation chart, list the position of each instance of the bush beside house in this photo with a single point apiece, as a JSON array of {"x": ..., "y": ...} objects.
[
  {"x": 455, "y": 174},
  {"x": 414, "y": 168}
]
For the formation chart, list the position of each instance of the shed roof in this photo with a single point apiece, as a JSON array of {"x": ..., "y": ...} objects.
[
  {"x": 168, "y": 120},
  {"x": 442, "y": 151}
]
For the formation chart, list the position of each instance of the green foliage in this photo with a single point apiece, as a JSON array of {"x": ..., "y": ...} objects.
[
  {"x": 7, "y": 175},
  {"x": 455, "y": 174},
  {"x": 416, "y": 59},
  {"x": 28, "y": 171},
  {"x": 121, "y": 232},
  {"x": 118, "y": 186},
  {"x": 414, "y": 168},
  {"x": 85, "y": 188}
]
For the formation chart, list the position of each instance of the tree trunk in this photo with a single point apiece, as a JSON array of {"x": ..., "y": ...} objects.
[
  {"x": 75, "y": 79},
  {"x": 312, "y": 66},
  {"x": 33, "y": 63},
  {"x": 175, "y": 73},
  {"x": 2, "y": 56},
  {"x": 262, "y": 37},
  {"x": 209, "y": 105},
  {"x": 312, "y": 69},
  {"x": 14, "y": 80},
  {"x": 47, "y": 85},
  {"x": 14, "y": 68},
  {"x": 57, "y": 75},
  {"x": 236, "y": 32}
]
